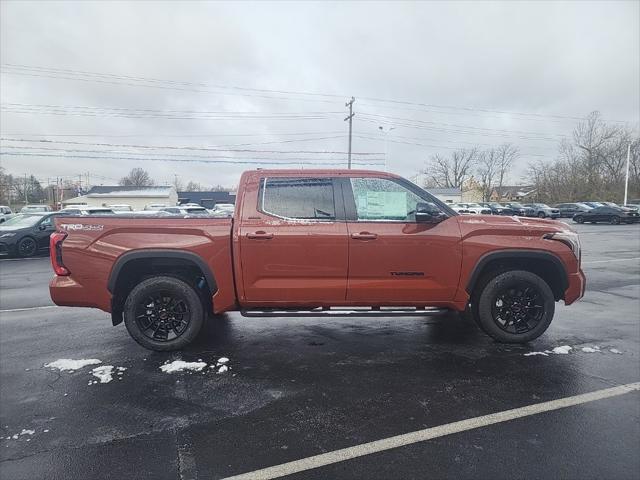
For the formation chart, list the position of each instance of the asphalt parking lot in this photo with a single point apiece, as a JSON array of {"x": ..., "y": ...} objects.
[{"x": 299, "y": 388}]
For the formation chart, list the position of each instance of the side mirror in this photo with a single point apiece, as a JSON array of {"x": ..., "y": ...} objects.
[
  {"x": 428, "y": 213},
  {"x": 42, "y": 227}
]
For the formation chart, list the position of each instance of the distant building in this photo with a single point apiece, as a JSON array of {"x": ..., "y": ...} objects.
[
  {"x": 137, "y": 197},
  {"x": 447, "y": 195},
  {"x": 206, "y": 199},
  {"x": 514, "y": 193}
]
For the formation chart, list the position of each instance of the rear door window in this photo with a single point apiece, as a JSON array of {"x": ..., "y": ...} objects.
[{"x": 298, "y": 198}]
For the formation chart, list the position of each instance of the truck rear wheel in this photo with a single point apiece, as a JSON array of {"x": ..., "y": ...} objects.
[
  {"x": 515, "y": 306},
  {"x": 163, "y": 313}
]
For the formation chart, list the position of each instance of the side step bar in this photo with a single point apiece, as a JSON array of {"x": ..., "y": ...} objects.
[{"x": 344, "y": 312}]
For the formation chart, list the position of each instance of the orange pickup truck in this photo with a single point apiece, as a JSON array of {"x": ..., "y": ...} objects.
[{"x": 313, "y": 243}]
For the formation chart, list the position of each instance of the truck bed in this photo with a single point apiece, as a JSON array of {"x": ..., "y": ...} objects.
[{"x": 94, "y": 245}]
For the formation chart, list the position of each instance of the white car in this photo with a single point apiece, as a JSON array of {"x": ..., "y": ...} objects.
[
  {"x": 5, "y": 213},
  {"x": 86, "y": 210},
  {"x": 459, "y": 208},
  {"x": 186, "y": 210},
  {"x": 156, "y": 206},
  {"x": 35, "y": 209},
  {"x": 121, "y": 208},
  {"x": 223, "y": 210},
  {"x": 476, "y": 208}
]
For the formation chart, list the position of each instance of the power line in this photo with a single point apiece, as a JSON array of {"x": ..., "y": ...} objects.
[
  {"x": 150, "y": 154},
  {"x": 183, "y": 160},
  {"x": 57, "y": 73},
  {"x": 173, "y": 147}
]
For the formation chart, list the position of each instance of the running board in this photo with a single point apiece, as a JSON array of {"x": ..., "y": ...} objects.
[{"x": 352, "y": 312}]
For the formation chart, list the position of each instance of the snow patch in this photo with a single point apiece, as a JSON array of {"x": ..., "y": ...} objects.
[
  {"x": 615, "y": 350},
  {"x": 223, "y": 369},
  {"x": 181, "y": 365},
  {"x": 594, "y": 349},
  {"x": 67, "y": 364},
  {"x": 223, "y": 360},
  {"x": 27, "y": 432},
  {"x": 103, "y": 373},
  {"x": 562, "y": 350},
  {"x": 530, "y": 354}
]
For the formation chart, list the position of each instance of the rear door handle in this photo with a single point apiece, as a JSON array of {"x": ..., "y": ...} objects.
[
  {"x": 364, "y": 236},
  {"x": 260, "y": 235}
]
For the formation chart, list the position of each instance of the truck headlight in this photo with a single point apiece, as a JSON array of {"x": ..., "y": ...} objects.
[{"x": 570, "y": 239}]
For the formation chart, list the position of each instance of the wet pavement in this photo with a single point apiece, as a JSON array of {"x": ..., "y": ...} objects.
[{"x": 297, "y": 388}]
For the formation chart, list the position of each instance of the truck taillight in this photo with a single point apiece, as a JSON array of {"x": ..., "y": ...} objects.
[{"x": 55, "y": 251}]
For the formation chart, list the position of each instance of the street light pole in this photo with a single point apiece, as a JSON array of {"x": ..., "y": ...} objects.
[{"x": 626, "y": 177}]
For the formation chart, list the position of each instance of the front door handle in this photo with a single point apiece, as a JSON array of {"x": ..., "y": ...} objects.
[
  {"x": 260, "y": 235},
  {"x": 364, "y": 236}
]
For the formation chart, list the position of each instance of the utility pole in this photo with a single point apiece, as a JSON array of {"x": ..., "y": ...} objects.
[
  {"x": 350, "y": 118},
  {"x": 26, "y": 199},
  {"x": 626, "y": 177}
]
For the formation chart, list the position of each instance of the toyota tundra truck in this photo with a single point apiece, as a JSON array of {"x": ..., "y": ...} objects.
[{"x": 317, "y": 243}]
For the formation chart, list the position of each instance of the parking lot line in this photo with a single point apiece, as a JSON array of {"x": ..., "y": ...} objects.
[
  {"x": 612, "y": 260},
  {"x": 356, "y": 451},
  {"x": 28, "y": 308}
]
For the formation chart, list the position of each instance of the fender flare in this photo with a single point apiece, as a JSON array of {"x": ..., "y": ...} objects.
[
  {"x": 517, "y": 254},
  {"x": 159, "y": 253}
]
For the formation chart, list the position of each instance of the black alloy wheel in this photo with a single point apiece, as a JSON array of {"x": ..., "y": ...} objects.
[
  {"x": 614, "y": 220},
  {"x": 515, "y": 306},
  {"x": 163, "y": 316},
  {"x": 518, "y": 309},
  {"x": 27, "y": 247},
  {"x": 579, "y": 219},
  {"x": 164, "y": 313}
]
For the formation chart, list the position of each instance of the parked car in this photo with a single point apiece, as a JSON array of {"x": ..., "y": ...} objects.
[
  {"x": 612, "y": 215},
  {"x": 121, "y": 208},
  {"x": 568, "y": 210},
  {"x": 318, "y": 243},
  {"x": 5, "y": 213},
  {"x": 26, "y": 234},
  {"x": 497, "y": 209},
  {"x": 543, "y": 210},
  {"x": 632, "y": 206},
  {"x": 459, "y": 208},
  {"x": 36, "y": 208},
  {"x": 156, "y": 206},
  {"x": 520, "y": 210},
  {"x": 475, "y": 208},
  {"x": 86, "y": 210},
  {"x": 186, "y": 210},
  {"x": 223, "y": 210},
  {"x": 593, "y": 204}
]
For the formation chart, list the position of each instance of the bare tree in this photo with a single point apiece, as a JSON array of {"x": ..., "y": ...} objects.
[
  {"x": 506, "y": 154},
  {"x": 486, "y": 171},
  {"x": 451, "y": 171},
  {"x": 137, "y": 177}
]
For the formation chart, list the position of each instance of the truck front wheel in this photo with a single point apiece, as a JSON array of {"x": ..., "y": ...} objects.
[
  {"x": 515, "y": 306},
  {"x": 163, "y": 313}
]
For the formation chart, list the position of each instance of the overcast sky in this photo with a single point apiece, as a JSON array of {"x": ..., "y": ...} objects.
[{"x": 274, "y": 77}]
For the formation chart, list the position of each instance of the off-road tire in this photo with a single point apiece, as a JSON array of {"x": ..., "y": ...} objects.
[
  {"x": 506, "y": 281},
  {"x": 176, "y": 287}
]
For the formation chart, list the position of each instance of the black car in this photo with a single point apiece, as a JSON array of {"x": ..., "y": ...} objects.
[
  {"x": 612, "y": 215},
  {"x": 520, "y": 210},
  {"x": 26, "y": 234},
  {"x": 497, "y": 209},
  {"x": 568, "y": 210}
]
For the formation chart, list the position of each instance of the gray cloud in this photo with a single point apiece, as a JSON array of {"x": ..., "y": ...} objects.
[{"x": 542, "y": 57}]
